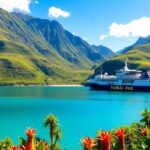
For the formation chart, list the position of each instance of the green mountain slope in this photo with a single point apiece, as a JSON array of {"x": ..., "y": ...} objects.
[
  {"x": 39, "y": 51},
  {"x": 140, "y": 41},
  {"x": 104, "y": 51},
  {"x": 138, "y": 58}
]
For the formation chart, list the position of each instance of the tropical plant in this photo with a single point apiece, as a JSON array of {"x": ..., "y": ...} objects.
[
  {"x": 134, "y": 137},
  {"x": 58, "y": 135},
  {"x": 30, "y": 145},
  {"x": 87, "y": 143},
  {"x": 6, "y": 144},
  {"x": 120, "y": 134},
  {"x": 13, "y": 148},
  {"x": 145, "y": 118},
  {"x": 144, "y": 131},
  {"x": 51, "y": 122},
  {"x": 105, "y": 138}
]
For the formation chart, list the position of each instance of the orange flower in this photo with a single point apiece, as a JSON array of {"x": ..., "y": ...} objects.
[
  {"x": 105, "y": 138},
  {"x": 121, "y": 138},
  {"x": 144, "y": 131},
  {"x": 120, "y": 133},
  {"x": 14, "y": 148},
  {"x": 30, "y": 133},
  {"x": 88, "y": 143}
]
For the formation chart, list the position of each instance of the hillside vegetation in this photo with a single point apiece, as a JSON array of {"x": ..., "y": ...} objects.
[
  {"x": 39, "y": 51},
  {"x": 138, "y": 58}
]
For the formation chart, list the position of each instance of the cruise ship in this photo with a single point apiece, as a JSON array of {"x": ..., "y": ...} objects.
[{"x": 124, "y": 80}]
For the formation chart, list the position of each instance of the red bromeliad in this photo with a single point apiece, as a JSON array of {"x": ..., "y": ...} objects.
[
  {"x": 121, "y": 138},
  {"x": 87, "y": 143},
  {"x": 144, "y": 131},
  {"x": 30, "y": 133},
  {"x": 105, "y": 138},
  {"x": 14, "y": 148}
]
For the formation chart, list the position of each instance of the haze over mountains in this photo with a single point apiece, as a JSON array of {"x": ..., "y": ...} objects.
[{"x": 39, "y": 51}]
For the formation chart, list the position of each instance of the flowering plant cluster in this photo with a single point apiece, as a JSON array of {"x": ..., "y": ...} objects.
[
  {"x": 34, "y": 143},
  {"x": 134, "y": 137}
]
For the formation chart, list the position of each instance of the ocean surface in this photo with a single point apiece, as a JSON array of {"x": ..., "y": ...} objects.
[{"x": 81, "y": 111}]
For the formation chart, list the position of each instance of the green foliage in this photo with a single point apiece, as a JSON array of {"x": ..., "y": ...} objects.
[
  {"x": 22, "y": 141},
  {"x": 146, "y": 118},
  {"x": 6, "y": 143},
  {"x": 138, "y": 58},
  {"x": 136, "y": 137},
  {"x": 41, "y": 146},
  {"x": 37, "y": 51},
  {"x": 51, "y": 121}
]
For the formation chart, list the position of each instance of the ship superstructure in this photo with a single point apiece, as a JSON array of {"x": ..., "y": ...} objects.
[{"x": 124, "y": 80}]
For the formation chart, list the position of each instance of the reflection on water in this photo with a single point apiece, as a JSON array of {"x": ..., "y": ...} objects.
[{"x": 43, "y": 92}]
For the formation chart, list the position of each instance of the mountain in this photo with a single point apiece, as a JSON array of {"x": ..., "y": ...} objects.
[
  {"x": 39, "y": 51},
  {"x": 138, "y": 58},
  {"x": 140, "y": 41},
  {"x": 105, "y": 51}
]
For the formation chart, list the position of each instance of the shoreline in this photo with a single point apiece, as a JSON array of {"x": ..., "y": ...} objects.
[
  {"x": 65, "y": 85},
  {"x": 53, "y": 85}
]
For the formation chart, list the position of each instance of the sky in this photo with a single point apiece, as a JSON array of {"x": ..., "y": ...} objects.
[{"x": 112, "y": 23}]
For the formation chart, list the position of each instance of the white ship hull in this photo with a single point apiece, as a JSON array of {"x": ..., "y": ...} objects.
[
  {"x": 120, "y": 85},
  {"x": 124, "y": 80}
]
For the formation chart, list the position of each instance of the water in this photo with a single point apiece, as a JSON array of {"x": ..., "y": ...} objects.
[{"x": 81, "y": 112}]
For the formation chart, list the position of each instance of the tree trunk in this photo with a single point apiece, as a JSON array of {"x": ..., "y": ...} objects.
[{"x": 52, "y": 137}]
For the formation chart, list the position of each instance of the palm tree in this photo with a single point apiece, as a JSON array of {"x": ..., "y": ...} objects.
[
  {"x": 58, "y": 135},
  {"x": 145, "y": 118},
  {"x": 51, "y": 122}
]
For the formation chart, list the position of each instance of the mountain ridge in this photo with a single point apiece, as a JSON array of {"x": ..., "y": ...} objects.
[
  {"x": 140, "y": 41},
  {"x": 105, "y": 51},
  {"x": 39, "y": 51},
  {"x": 137, "y": 55}
]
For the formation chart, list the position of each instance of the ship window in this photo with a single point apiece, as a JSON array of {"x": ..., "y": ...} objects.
[{"x": 127, "y": 81}]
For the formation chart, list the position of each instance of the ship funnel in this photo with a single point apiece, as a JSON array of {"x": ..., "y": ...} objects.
[{"x": 126, "y": 65}]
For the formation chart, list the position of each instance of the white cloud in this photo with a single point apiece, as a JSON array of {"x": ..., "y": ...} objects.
[
  {"x": 11, "y": 5},
  {"x": 57, "y": 12},
  {"x": 135, "y": 28},
  {"x": 102, "y": 37}
]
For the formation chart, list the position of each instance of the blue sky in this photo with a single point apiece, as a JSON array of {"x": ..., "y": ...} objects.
[{"x": 91, "y": 19}]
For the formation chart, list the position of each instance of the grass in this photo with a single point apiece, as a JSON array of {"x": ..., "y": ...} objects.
[
  {"x": 17, "y": 69},
  {"x": 138, "y": 58},
  {"x": 37, "y": 51}
]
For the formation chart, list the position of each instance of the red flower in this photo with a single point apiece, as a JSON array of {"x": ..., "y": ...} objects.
[
  {"x": 30, "y": 133},
  {"x": 121, "y": 138},
  {"x": 105, "y": 138},
  {"x": 88, "y": 143},
  {"x": 14, "y": 148},
  {"x": 144, "y": 131}
]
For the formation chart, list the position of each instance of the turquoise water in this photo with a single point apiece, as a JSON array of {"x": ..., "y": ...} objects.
[{"x": 81, "y": 111}]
